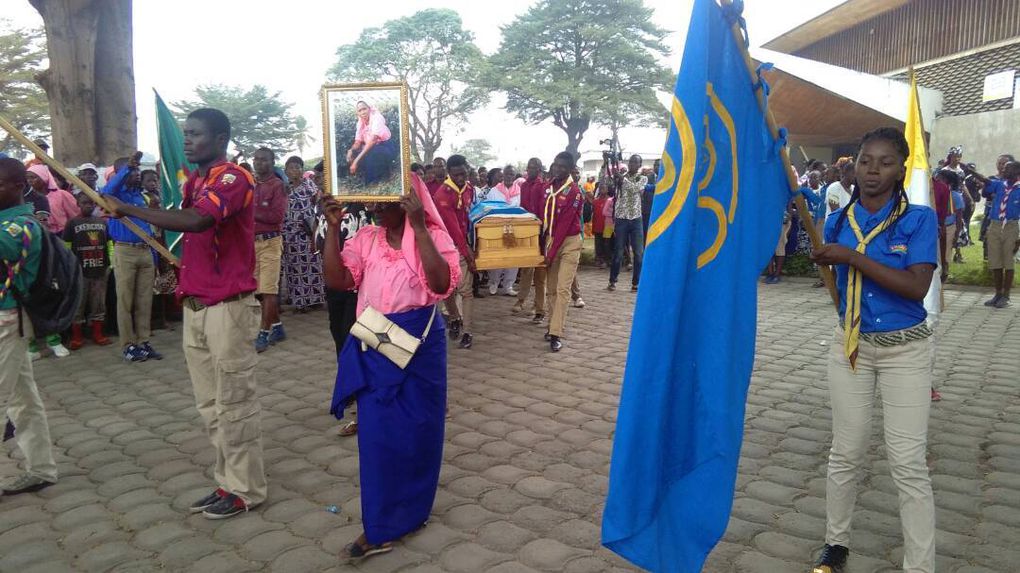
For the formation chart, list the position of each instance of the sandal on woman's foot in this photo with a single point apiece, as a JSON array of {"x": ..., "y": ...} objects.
[
  {"x": 355, "y": 552},
  {"x": 348, "y": 429}
]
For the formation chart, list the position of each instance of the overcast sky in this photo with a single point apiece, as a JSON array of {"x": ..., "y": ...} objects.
[{"x": 290, "y": 45}]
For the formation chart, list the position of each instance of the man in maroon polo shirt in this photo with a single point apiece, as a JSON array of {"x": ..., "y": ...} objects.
[
  {"x": 221, "y": 315},
  {"x": 453, "y": 201},
  {"x": 533, "y": 199},
  {"x": 270, "y": 210}
]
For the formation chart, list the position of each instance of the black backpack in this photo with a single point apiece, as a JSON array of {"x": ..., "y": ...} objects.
[{"x": 54, "y": 296}]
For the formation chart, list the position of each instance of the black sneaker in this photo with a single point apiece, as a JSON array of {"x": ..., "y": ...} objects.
[
  {"x": 633, "y": 288},
  {"x": 832, "y": 559},
  {"x": 466, "y": 340},
  {"x": 133, "y": 353},
  {"x": 150, "y": 352},
  {"x": 455, "y": 326},
  {"x": 992, "y": 301},
  {"x": 207, "y": 501},
  {"x": 611, "y": 287},
  {"x": 1003, "y": 302},
  {"x": 555, "y": 344},
  {"x": 538, "y": 319},
  {"x": 228, "y": 506}
]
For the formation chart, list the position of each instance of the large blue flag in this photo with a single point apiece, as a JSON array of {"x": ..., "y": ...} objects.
[{"x": 715, "y": 223}]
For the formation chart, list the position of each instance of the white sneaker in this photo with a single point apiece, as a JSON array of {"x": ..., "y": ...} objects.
[
  {"x": 59, "y": 351},
  {"x": 33, "y": 356},
  {"x": 511, "y": 292},
  {"x": 579, "y": 303},
  {"x": 493, "y": 289}
]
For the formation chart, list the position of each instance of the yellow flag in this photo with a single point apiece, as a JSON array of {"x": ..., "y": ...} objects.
[{"x": 914, "y": 132}]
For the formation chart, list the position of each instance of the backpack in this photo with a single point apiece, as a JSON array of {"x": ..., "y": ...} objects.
[{"x": 54, "y": 296}]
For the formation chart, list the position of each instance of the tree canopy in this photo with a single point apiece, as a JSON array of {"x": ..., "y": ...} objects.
[
  {"x": 578, "y": 61},
  {"x": 477, "y": 151},
  {"x": 257, "y": 118},
  {"x": 22, "y": 99},
  {"x": 437, "y": 58}
]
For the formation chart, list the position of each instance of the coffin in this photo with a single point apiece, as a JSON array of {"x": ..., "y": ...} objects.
[{"x": 507, "y": 242}]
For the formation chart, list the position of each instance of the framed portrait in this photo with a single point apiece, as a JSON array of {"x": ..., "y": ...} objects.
[{"x": 367, "y": 141}]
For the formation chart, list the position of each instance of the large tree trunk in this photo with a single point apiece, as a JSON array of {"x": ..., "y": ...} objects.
[
  {"x": 116, "y": 120},
  {"x": 92, "y": 109}
]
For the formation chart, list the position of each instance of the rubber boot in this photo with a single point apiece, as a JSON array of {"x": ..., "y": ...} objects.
[
  {"x": 97, "y": 333},
  {"x": 77, "y": 338}
]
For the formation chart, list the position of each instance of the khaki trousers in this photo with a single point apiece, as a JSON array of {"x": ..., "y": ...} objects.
[
  {"x": 561, "y": 276},
  {"x": 20, "y": 398},
  {"x": 134, "y": 272},
  {"x": 460, "y": 303},
  {"x": 221, "y": 361},
  {"x": 950, "y": 243},
  {"x": 903, "y": 373},
  {"x": 536, "y": 276}
]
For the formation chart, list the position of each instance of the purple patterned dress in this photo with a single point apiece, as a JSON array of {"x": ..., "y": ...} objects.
[{"x": 302, "y": 267}]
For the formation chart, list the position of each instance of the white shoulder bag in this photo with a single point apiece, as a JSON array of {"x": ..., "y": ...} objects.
[{"x": 376, "y": 331}]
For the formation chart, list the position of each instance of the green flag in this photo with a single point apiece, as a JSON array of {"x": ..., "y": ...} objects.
[{"x": 174, "y": 168}]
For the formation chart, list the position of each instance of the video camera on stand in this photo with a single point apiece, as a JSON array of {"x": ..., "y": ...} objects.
[{"x": 611, "y": 159}]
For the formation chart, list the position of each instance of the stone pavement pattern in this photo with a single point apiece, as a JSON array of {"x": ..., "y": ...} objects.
[{"x": 526, "y": 458}]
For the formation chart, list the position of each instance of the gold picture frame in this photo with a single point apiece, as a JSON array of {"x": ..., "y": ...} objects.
[{"x": 385, "y": 175}]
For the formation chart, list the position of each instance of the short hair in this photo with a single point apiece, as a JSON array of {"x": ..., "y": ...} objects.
[
  {"x": 416, "y": 166},
  {"x": 639, "y": 158},
  {"x": 272, "y": 154},
  {"x": 1008, "y": 157},
  {"x": 119, "y": 163},
  {"x": 13, "y": 169},
  {"x": 950, "y": 176},
  {"x": 214, "y": 120},
  {"x": 456, "y": 161},
  {"x": 566, "y": 156},
  {"x": 434, "y": 160},
  {"x": 320, "y": 167},
  {"x": 150, "y": 172},
  {"x": 294, "y": 159},
  {"x": 494, "y": 174}
]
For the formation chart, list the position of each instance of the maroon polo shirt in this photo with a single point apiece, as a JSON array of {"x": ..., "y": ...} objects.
[
  {"x": 270, "y": 205},
  {"x": 453, "y": 210},
  {"x": 533, "y": 195},
  {"x": 219, "y": 263}
]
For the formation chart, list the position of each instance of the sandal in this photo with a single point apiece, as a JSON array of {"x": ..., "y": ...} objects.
[
  {"x": 348, "y": 429},
  {"x": 356, "y": 552}
]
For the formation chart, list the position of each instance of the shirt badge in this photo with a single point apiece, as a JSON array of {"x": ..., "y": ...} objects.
[
  {"x": 902, "y": 249},
  {"x": 14, "y": 229},
  {"x": 229, "y": 178}
]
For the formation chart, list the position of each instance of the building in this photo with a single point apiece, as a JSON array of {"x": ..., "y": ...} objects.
[{"x": 965, "y": 53}]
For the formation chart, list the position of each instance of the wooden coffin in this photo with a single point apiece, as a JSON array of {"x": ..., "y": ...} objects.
[{"x": 507, "y": 243}]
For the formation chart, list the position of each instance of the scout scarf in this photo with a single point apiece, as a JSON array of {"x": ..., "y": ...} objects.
[
  {"x": 549, "y": 213},
  {"x": 460, "y": 192},
  {"x": 1001, "y": 215},
  {"x": 855, "y": 282}
]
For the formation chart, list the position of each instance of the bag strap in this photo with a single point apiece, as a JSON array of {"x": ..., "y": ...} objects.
[{"x": 428, "y": 327}]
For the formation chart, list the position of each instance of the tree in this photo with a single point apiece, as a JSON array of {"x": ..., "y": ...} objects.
[
  {"x": 437, "y": 58},
  {"x": 257, "y": 118},
  {"x": 91, "y": 80},
  {"x": 22, "y": 100},
  {"x": 579, "y": 61},
  {"x": 477, "y": 151}
]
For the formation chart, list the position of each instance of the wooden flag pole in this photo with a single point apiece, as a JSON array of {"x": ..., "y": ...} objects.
[
  {"x": 99, "y": 199},
  {"x": 802, "y": 208}
]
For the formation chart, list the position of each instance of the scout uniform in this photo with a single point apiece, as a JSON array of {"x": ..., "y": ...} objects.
[
  {"x": 453, "y": 205},
  {"x": 561, "y": 229},
  {"x": 890, "y": 349},
  {"x": 533, "y": 200},
  {"x": 20, "y": 249},
  {"x": 1003, "y": 228},
  {"x": 221, "y": 318}
]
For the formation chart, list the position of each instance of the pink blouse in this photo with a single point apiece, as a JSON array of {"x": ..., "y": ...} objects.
[
  {"x": 63, "y": 208},
  {"x": 374, "y": 127},
  {"x": 385, "y": 279}
]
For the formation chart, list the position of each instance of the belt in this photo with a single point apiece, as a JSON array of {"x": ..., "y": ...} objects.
[
  {"x": 196, "y": 305},
  {"x": 898, "y": 337},
  {"x": 127, "y": 244},
  {"x": 267, "y": 236}
]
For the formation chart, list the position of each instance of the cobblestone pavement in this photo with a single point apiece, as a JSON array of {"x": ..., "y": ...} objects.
[{"x": 527, "y": 453}]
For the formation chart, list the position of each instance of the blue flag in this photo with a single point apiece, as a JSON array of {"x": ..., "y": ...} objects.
[{"x": 715, "y": 223}]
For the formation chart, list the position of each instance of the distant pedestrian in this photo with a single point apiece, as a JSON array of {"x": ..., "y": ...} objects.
[
  {"x": 88, "y": 236},
  {"x": 302, "y": 268},
  {"x": 270, "y": 211}
]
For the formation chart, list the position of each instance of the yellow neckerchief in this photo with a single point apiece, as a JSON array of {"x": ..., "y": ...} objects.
[
  {"x": 549, "y": 213},
  {"x": 855, "y": 281},
  {"x": 460, "y": 192}
]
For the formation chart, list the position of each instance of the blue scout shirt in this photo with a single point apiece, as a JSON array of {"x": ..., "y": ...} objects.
[
  {"x": 13, "y": 222},
  {"x": 912, "y": 240},
  {"x": 1012, "y": 202},
  {"x": 118, "y": 231}
]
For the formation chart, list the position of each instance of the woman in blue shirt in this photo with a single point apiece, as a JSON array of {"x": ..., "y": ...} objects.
[{"x": 885, "y": 252}]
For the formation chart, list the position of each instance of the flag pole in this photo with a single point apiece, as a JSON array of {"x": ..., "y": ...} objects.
[
  {"x": 96, "y": 197},
  {"x": 802, "y": 208}
]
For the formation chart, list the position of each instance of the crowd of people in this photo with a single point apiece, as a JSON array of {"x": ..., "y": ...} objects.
[{"x": 384, "y": 270}]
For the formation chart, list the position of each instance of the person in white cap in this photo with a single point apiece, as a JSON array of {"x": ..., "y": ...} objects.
[{"x": 89, "y": 174}]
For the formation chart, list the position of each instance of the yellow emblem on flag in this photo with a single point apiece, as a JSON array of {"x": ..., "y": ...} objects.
[
  {"x": 229, "y": 178},
  {"x": 14, "y": 229}
]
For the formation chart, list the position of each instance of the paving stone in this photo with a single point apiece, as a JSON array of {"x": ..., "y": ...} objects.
[
  {"x": 30, "y": 553},
  {"x": 223, "y": 562},
  {"x": 470, "y": 557},
  {"x": 158, "y": 537},
  {"x": 267, "y": 546},
  {"x": 108, "y": 555},
  {"x": 549, "y": 554},
  {"x": 504, "y": 536}
]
